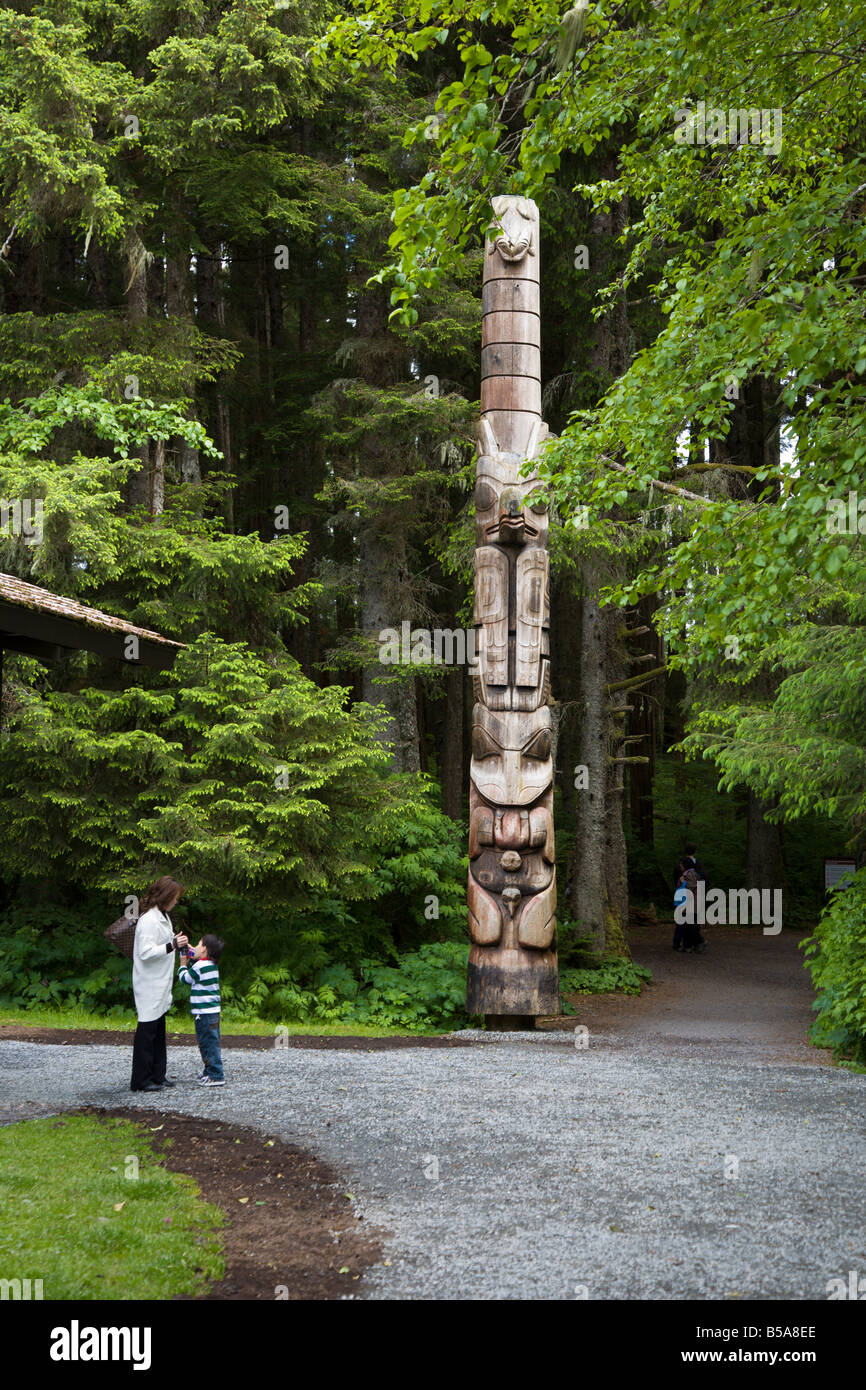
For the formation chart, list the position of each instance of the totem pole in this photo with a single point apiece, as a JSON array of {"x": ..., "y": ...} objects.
[{"x": 512, "y": 875}]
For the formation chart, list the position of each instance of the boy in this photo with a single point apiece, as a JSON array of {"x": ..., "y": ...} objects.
[{"x": 203, "y": 975}]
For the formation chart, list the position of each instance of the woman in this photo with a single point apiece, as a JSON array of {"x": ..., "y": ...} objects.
[{"x": 152, "y": 971}]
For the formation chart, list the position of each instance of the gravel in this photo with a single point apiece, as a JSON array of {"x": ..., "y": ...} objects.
[{"x": 526, "y": 1168}]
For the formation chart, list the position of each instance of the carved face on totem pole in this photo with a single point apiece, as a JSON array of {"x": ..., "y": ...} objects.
[
  {"x": 511, "y": 764},
  {"x": 512, "y": 882},
  {"x": 511, "y": 847},
  {"x": 518, "y": 237},
  {"x": 502, "y": 516}
]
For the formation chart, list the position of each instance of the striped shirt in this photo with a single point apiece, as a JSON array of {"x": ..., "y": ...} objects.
[{"x": 204, "y": 976}]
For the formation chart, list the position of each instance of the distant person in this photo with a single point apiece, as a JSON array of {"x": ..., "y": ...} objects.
[
  {"x": 688, "y": 873},
  {"x": 692, "y": 939},
  {"x": 152, "y": 971},
  {"x": 681, "y": 897},
  {"x": 203, "y": 975},
  {"x": 689, "y": 860}
]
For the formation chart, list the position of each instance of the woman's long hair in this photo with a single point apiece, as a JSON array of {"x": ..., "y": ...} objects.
[{"x": 160, "y": 894}]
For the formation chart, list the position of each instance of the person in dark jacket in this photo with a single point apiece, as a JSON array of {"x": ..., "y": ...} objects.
[
  {"x": 689, "y": 860},
  {"x": 689, "y": 872}
]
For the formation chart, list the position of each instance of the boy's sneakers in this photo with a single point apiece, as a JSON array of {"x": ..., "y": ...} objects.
[
  {"x": 201, "y": 1075},
  {"x": 209, "y": 1081}
]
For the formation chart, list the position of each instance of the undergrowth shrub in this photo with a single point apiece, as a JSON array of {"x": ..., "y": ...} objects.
[
  {"x": 424, "y": 989},
  {"x": 836, "y": 959},
  {"x": 612, "y": 974},
  {"x": 278, "y": 968},
  {"x": 57, "y": 956}
]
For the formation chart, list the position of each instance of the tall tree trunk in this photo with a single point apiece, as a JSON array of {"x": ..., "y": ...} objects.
[
  {"x": 23, "y": 278},
  {"x": 754, "y": 440},
  {"x": 178, "y": 284},
  {"x": 763, "y": 847},
  {"x": 565, "y": 630},
  {"x": 587, "y": 879},
  {"x": 598, "y": 883},
  {"x": 156, "y": 287},
  {"x": 386, "y": 593},
  {"x": 208, "y": 284},
  {"x": 643, "y": 725},
  {"x": 179, "y": 304},
  {"x": 138, "y": 486},
  {"x": 157, "y": 478},
  {"x": 452, "y": 748},
  {"x": 615, "y": 858},
  {"x": 97, "y": 274},
  {"x": 210, "y": 318},
  {"x": 383, "y": 566}
]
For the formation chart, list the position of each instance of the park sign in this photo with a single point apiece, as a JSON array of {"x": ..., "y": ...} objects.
[
  {"x": 838, "y": 873},
  {"x": 513, "y": 974}
]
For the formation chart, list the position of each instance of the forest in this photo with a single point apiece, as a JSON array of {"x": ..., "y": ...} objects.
[{"x": 241, "y": 252}]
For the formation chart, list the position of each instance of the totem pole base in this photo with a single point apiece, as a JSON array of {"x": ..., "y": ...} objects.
[{"x": 506, "y": 981}]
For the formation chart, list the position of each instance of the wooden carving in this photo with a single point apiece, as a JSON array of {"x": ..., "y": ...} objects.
[{"x": 512, "y": 871}]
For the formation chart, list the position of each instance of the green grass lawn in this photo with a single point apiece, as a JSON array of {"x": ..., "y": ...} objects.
[
  {"x": 180, "y": 1021},
  {"x": 70, "y": 1215}
]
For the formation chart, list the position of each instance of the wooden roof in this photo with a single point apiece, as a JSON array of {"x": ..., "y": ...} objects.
[{"x": 41, "y": 623}]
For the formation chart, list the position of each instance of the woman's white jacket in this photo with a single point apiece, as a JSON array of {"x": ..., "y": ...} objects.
[{"x": 152, "y": 965}]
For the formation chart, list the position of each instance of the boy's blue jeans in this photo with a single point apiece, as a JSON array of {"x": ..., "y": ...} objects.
[{"x": 207, "y": 1032}]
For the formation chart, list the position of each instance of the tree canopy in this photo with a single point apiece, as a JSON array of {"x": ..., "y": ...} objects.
[{"x": 240, "y": 251}]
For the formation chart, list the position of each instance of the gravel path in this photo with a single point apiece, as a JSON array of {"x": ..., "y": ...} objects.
[
  {"x": 524, "y": 1167},
  {"x": 696, "y": 1148}
]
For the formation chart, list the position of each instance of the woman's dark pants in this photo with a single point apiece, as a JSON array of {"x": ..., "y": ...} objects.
[{"x": 148, "y": 1054}]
